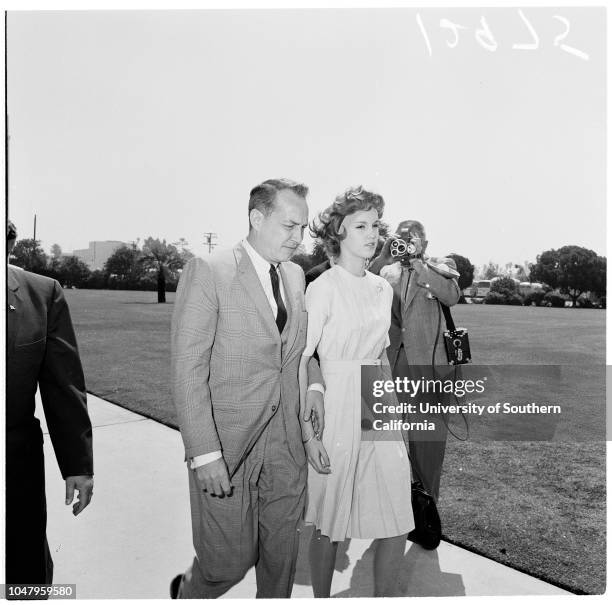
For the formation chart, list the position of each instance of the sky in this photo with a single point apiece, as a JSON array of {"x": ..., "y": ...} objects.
[{"x": 125, "y": 124}]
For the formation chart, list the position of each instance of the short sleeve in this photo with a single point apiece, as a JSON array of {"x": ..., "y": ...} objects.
[{"x": 317, "y": 307}]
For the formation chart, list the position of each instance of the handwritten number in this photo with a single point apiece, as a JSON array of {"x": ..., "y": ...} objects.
[
  {"x": 568, "y": 49},
  {"x": 424, "y": 32},
  {"x": 536, "y": 41},
  {"x": 454, "y": 27},
  {"x": 484, "y": 37}
]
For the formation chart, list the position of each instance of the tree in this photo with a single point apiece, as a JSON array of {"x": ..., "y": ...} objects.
[
  {"x": 124, "y": 263},
  {"x": 29, "y": 255},
  {"x": 491, "y": 270},
  {"x": 504, "y": 291},
  {"x": 522, "y": 271},
  {"x": 599, "y": 282},
  {"x": 465, "y": 268},
  {"x": 54, "y": 260},
  {"x": 72, "y": 271},
  {"x": 504, "y": 285},
  {"x": 572, "y": 269},
  {"x": 163, "y": 258},
  {"x": 318, "y": 254},
  {"x": 56, "y": 252}
]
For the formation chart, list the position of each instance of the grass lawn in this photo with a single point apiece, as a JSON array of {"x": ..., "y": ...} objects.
[{"x": 538, "y": 506}]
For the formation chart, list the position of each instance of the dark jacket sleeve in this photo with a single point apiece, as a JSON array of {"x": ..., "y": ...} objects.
[{"x": 62, "y": 389}]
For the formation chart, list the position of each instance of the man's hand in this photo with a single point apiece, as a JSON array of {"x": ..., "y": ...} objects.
[
  {"x": 315, "y": 411},
  {"x": 384, "y": 258},
  {"x": 417, "y": 242},
  {"x": 317, "y": 456},
  {"x": 214, "y": 478},
  {"x": 83, "y": 484}
]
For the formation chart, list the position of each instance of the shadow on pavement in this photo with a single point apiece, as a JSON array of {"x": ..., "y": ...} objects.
[{"x": 419, "y": 573}]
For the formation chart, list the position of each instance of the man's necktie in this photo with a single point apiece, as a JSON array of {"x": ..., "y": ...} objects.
[{"x": 281, "y": 315}]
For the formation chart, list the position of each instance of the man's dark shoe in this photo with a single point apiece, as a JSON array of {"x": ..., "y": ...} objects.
[
  {"x": 427, "y": 542},
  {"x": 175, "y": 585}
]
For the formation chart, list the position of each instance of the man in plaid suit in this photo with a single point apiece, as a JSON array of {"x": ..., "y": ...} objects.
[{"x": 238, "y": 332}]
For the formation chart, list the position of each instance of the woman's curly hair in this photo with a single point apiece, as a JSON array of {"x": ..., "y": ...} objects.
[{"x": 326, "y": 227}]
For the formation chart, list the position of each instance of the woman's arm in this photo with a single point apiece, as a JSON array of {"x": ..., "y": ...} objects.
[
  {"x": 317, "y": 456},
  {"x": 307, "y": 429}
]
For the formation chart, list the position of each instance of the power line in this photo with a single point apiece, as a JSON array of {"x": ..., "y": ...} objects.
[{"x": 208, "y": 240}]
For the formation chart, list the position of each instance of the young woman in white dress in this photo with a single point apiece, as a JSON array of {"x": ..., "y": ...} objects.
[{"x": 358, "y": 482}]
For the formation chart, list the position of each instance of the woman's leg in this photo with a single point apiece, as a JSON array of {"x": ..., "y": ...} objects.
[
  {"x": 322, "y": 563},
  {"x": 387, "y": 560}
]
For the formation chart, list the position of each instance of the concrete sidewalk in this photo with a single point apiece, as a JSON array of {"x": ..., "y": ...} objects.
[{"x": 136, "y": 534}]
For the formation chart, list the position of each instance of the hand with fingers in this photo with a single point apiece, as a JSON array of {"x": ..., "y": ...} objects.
[
  {"x": 314, "y": 411},
  {"x": 317, "y": 455},
  {"x": 418, "y": 243},
  {"x": 214, "y": 478},
  {"x": 384, "y": 258},
  {"x": 83, "y": 485}
]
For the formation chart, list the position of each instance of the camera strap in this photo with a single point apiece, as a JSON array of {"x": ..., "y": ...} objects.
[{"x": 450, "y": 324}]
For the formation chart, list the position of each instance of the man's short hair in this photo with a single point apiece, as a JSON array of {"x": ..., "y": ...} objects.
[
  {"x": 411, "y": 225},
  {"x": 263, "y": 196}
]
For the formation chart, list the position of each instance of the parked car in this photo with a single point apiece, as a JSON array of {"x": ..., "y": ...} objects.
[
  {"x": 480, "y": 288},
  {"x": 526, "y": 288}
]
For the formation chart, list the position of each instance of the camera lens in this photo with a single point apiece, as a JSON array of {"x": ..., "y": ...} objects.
[{"x": 398, "y": 248}]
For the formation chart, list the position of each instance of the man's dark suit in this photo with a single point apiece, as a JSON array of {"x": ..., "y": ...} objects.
[
  {"x": 41, "y": 350},
  {"x": 313, "y": 273}
]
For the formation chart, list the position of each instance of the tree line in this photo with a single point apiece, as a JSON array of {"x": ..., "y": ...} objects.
[
  {"x": 155, "y": 266},
  {"x": 568, "y": 272}
]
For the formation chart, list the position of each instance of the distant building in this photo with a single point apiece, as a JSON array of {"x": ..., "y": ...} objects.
[{"x": 98, "y": 253}]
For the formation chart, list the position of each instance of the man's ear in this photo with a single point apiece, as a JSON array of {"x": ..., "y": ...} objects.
[{"x": 255, "y": 218}]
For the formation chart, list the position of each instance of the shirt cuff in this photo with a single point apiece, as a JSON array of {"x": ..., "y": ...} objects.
[
  {"x": 317, "y": 386},
  {"x": 204, "y": 459}
]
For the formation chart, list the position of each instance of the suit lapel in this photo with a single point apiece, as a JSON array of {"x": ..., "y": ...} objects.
[
  {"x": 252, "y": 286},
  {"x": 14, "y": 310}
]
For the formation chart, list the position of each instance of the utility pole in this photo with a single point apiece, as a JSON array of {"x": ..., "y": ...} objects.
[
  {"x": 34, "y": 227},
  {"x": 208, "y": 240}
]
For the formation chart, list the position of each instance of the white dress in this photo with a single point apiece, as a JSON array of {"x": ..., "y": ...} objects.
[{"x": 368, "y": 493}]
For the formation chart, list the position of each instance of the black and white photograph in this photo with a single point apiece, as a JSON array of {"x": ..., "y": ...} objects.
[{"x": 305, "y": 301}]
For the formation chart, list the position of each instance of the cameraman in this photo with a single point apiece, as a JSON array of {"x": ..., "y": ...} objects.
[{"x": 416, "y": 332}]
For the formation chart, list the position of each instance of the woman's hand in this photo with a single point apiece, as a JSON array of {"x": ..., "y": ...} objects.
[
  {"x": 314, "y": 411},
  {"x": 317, "y": 456}
]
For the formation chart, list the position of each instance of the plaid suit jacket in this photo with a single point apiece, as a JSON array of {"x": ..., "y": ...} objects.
[{"x": 231, "y": 369}]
